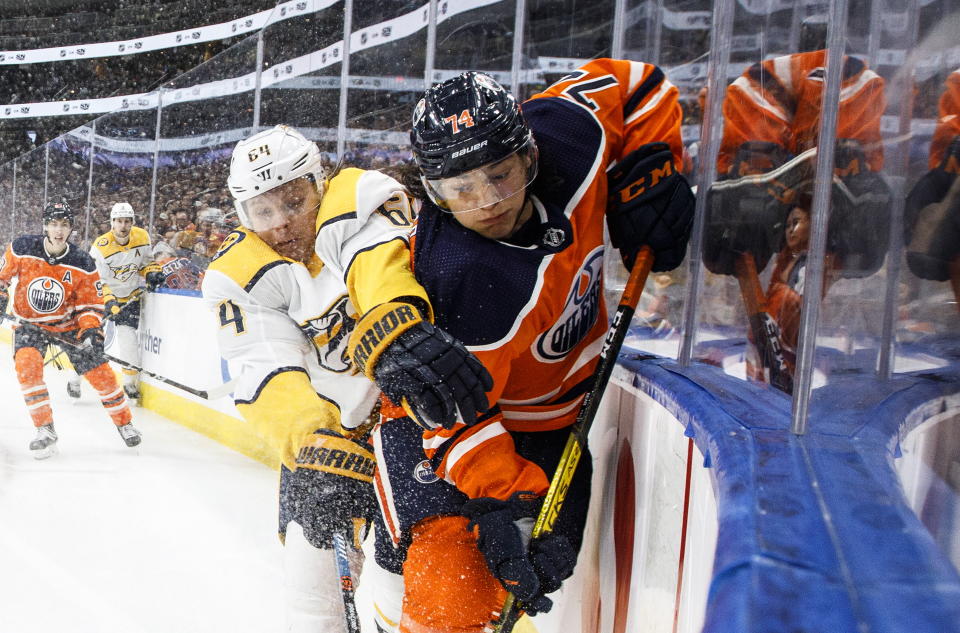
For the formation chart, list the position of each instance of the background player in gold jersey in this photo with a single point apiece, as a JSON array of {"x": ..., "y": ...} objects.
[{"x": 124, "y": 258}]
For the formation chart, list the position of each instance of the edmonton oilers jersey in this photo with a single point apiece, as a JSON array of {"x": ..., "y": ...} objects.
[
  {"x": 59, "y": 293},
  {"x": 532, "y": 309}
]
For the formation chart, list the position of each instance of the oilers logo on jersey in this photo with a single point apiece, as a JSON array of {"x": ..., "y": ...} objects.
[
  {"x": 45, "y": 294},
  {"x": 579, "y": 313},
  {"x": 330, "y": 333}
]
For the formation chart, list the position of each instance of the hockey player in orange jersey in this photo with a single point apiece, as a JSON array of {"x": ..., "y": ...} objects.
[
  {"x": 509, "y": 246},
  {"x": 58, "y": 296}
]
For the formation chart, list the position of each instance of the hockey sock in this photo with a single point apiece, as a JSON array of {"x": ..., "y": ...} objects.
[
  {"x": 112, "y": 396},
  {"x": 29, "y": 365},
  {"x": 131, "y": 377}
]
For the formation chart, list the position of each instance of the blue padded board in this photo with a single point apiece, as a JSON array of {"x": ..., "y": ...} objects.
[{"x": 814, "y": 533}]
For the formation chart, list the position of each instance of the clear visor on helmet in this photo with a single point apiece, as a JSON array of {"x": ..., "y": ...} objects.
[
  {"x": 486, "y": 186},
  {"x": 272, "y": 209}
]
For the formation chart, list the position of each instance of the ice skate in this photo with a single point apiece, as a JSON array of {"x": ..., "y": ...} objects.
[
  {"x": 133, "y": 393},
  {"x": 129, "y": 434},
  {"x": 44, "y": 445},
  {"x": 73, "y": 387}
]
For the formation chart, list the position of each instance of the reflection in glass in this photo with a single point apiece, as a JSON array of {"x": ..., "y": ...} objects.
[{"x": 763, "y": 200}]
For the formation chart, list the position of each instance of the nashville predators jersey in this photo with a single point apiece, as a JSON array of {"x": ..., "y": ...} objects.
[
  {"x": 284, "y": 326},
  {"x": 58, "y": 293},
  {"x": 120, "y": 264},
  {"x": 532, "y": 309},
  {"x": 778, "y": 101}
]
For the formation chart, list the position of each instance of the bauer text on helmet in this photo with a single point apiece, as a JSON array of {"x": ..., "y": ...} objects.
[
  {"x": 466, "y": 131},
  {"x": 266, "y": 162}
]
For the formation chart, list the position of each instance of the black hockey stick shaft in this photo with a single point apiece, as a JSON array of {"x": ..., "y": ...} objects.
[
  {"x": 560, "y": 484},
  {"x": 766, "y": 332},
  {"x": 60, "y": 340},
  {"x": 346, "y": 583},
  {"x": 53, "y": 359}
]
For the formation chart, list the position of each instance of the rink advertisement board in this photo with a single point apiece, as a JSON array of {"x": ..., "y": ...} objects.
[{"x": 178, "y": 340}]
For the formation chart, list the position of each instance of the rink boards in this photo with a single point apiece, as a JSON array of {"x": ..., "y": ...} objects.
[{"x": 707, "y": 513}]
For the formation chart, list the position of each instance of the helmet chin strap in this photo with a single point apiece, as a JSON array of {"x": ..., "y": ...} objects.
[
  {"x": 525, "y": 212},
  {"x": 48, "y": 245}
]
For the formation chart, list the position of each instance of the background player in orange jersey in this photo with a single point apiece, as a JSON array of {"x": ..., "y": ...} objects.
[
  {"x": 509, "y": 246},
  {"x": 58, "y": 294}
]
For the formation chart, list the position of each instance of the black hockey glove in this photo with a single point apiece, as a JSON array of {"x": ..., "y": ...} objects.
[
  {"x": 858, "y": 233},
  {"x": 416, "y": 364},
  {"x": 650, "y": 203},
  {"x": 528, "y": 569},
  {"x": 331, "y": 489},
  {"x": 4, "y": 300},
  {"x": 153, "y": 276},
  {"x": 932, "y": 219},
  {"x": 111, "y": 307},
  {"x": 747, "y": 209},
  {"x": 91, "y": 340}
]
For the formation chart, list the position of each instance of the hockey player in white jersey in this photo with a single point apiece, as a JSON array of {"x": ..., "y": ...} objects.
[
  {"x": 125, "y": 262},
  {"x": 318, "y": 257}
]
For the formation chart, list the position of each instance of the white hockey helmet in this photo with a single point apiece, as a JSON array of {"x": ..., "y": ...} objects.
[
  {"x": 210, "y": 214},
  {"x": 269, "y": 159},
  {"x": 121, "y": 210}
]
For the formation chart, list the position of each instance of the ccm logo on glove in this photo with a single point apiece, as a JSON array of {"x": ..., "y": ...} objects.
[{"x": 637, "y": 187}]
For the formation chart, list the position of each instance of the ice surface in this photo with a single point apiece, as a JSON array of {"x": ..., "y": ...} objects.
[{"x": 175, "y": 536}]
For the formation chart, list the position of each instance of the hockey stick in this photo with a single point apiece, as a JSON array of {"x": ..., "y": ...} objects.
[
  {"x": 346, "y": 583},
  {"x": 766, "y": 332},
  {"x": 53, "y": 359},
  {"x": 560, "y": 484},
  {"x": 210, "y": 394}
]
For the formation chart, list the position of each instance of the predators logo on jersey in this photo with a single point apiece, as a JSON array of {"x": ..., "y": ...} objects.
[
  {"x": 124, "y": 271},
  {"x": 119, "y": 264},
  {"x": 330, "y": 333}
]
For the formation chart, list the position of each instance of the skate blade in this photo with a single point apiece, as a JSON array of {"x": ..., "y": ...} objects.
[{"x": 44, "y": 453}]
